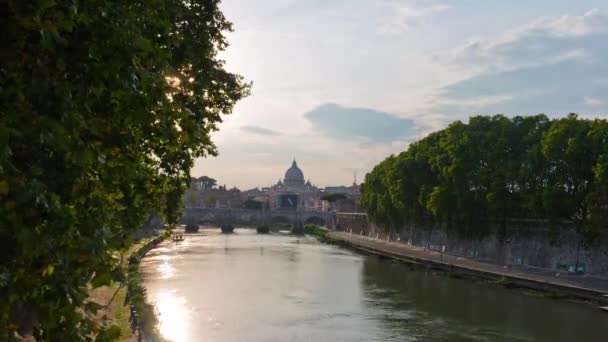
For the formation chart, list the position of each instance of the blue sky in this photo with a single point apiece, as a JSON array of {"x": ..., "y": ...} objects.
[{"x": 341, "y": 84}]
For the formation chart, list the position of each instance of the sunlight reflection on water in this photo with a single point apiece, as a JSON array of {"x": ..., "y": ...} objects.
[
  {"x": 174, "y": 316},
  {"x": 166, "y": 270},
  {"x": 250, "y": 287}
]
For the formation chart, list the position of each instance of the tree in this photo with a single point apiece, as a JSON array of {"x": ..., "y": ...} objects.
[
  {"x": 495, "y": 168},
  {"x": 572, "y": 148},
  {"x": 333, "y": 197},
  {"x": 207, "y": 182},
  {"x": 375, "y": 195},
  {"x": 597, "y": 199},
  {"x": 103, "y": 107}
]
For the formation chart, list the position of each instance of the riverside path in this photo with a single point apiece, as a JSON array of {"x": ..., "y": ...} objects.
[{"x": 587, "y": 286}]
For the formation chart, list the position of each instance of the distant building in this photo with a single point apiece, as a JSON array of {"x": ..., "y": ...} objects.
[
  {"x": 290, "y": 193},
  {"x": 293, "y": 192},
  {"x": 347, "y": 190},
  {"x": 213, "y": 198},
  {"x": 255, "y": 194},
  {"x": 349, "y": 204}
]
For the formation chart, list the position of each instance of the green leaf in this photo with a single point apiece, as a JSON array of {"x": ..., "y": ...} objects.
[
  {"x": 89, "y": 144},
  {"x": 4, "y": 187},
  {"x": 48, "y": 270}
]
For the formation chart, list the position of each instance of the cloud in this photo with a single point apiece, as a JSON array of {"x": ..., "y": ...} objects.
[
  {"x": 593, "y": 101},
  {"x": 547, "y": 66},
  {"x": 546, "y": 40},
  {"x": 554, "y": 89},
  {"x": 478, "y": 102},
  {"x": 360, "y": 124},
  {"x": 573, "y": 26},
  {"x": 403, "y": 18},
  {"x": 259, "y": 130}
]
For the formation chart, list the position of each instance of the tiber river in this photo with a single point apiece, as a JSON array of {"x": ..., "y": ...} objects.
[{"x": 249, "y": 287}]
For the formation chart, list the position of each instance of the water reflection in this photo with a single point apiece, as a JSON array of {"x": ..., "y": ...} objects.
[
  {"x": 248, "y": 287},
  {"x": 174, "y": 316},
  {"x": 166, "y": 270},
  {"x": 432, "y": 306}
]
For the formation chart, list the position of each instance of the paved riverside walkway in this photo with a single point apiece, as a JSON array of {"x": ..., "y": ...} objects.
[{"x": 586, "y": 285}]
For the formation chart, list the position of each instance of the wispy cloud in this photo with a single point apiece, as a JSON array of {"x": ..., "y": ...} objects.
[
  {"x": 259, "y": 130},
  {"x": 546, "y": 66},
  {"x": 593, "y": 101},
  {"x": 477, "y": 102},
  {"x": 402, "y": 18},
  {"x": 545, "y": 40}
]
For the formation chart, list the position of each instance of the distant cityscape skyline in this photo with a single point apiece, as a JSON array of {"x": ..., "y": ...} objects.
[
  {"x": 291, "y": 191},
  {"x": 343, "y": 84},
  {"x": 272, "y": 183}
]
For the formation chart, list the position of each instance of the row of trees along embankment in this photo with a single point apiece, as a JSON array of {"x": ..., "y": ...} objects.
[{"x": 496, "y": 169}]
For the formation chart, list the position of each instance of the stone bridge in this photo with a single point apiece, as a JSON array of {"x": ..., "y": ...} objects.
[{"x": 216, "y": 216}]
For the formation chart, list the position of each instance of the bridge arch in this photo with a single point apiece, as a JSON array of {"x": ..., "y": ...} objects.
[
  {"x": 248, "y": 216},
  {"x": 280, "y": 219}
]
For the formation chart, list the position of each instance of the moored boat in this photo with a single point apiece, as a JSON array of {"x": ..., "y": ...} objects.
[
  {"x": 227, "y": 228},
  {"x": 263, "y": 229},
  {"x": 192, "y": 228}
]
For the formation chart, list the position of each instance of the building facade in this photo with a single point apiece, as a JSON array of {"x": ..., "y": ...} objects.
[
  {"x": 292, "y": 192},
  {"x": 220, "y": 197}
]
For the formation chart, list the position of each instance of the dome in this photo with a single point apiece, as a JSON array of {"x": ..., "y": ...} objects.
[{"x": 294, "y": 173}]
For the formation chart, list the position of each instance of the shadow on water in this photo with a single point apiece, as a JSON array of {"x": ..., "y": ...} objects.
[{"x": 434, "y": 307}]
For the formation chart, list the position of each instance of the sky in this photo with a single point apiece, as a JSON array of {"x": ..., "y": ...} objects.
[{"x": 342, "y": 84}]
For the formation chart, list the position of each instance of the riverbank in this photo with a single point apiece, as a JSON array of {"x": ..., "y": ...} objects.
[
  {"x": 143, "y": 318},
  {"x": 118, "y": 298},
  {"x": 587, "y": 288}
]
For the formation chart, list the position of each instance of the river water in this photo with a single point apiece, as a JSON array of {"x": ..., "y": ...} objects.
[{"x": 249, "y": 287}]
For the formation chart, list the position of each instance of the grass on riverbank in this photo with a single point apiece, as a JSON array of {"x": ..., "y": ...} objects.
[
  {"x": 136, "y": 292},
  {"x": 313, "y": 229},
  {"x": 113, "y": 298},
  {"x": 113, "y": 312}
]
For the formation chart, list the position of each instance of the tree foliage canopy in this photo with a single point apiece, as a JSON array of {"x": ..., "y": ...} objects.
[
  {"x": 103, "y": 107},
  {"x": 496, "y": 168},
  {"x": 333, "y": 197},
  {"x": 206, "y": 182}
]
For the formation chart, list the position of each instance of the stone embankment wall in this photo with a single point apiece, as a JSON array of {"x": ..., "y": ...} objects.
[
  {"x": 529, "y": 243},
  {"x": 357, "y": 222},
  {"x": 526, "y": 243}
]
